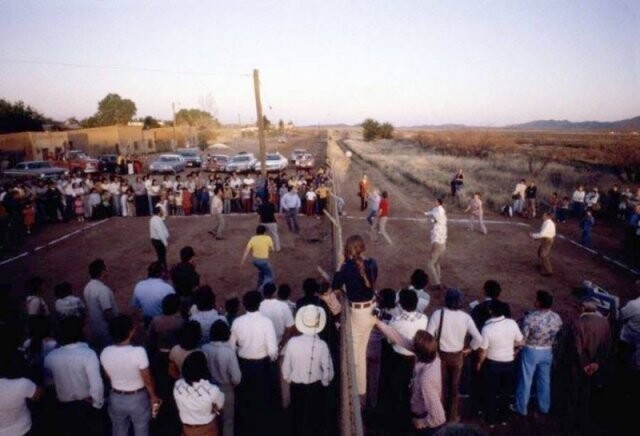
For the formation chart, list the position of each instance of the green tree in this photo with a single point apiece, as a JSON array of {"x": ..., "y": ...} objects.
[
  {"x": 150, "y": 123},
  {"x": 386, "y": 131},
  {"x": 112, "y": 109},
  {"x": 370, "y": 129},
  {"x": 18, "y": 117},
  {"x": 196, "y": 118}
]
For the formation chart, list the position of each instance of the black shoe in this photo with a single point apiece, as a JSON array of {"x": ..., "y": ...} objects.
[{"x": 212, "y": 233}]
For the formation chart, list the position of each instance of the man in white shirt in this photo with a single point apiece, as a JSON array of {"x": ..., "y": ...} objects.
[
  {"x": 254, "y": 338},
  {"x": 101, "y": 305},
  {"x": 278, "y": 312},
  {"x": 159, "y": 235},
  {"x": 149, "y": 293},
  {"x": 217, "y": 207},
  {"x": 546, "y": 235},
  {"x": 396, "y": 401},
  {"x": 75, "y": 371},
  {"x": 438, "y": 241},
  {"x": 500, "y": 337},
  {"x": 289, "y": 205},
  {"x": 308, "y": 368},
  {"x": 518, "y": 196},
  {"x": 450, "y": 326}
]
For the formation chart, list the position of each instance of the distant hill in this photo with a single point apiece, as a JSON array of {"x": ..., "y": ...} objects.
[
  {"x": 438, "y": 127},
  {"x": 632, "y": 124}
]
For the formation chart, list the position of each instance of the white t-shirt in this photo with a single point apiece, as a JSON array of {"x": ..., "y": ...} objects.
[
  {"x": 15, "y": 418},
  {"x": 499, "y": 336},
  {"x": 279, "y": 313},
  {"x": 123, "y": 364},
  {"x": 194, "y": 401}
]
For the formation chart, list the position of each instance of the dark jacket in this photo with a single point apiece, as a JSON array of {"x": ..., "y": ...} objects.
[{"x": 480, "y": 313}]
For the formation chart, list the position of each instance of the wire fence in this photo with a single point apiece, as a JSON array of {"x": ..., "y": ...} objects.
[{"x": 350, "y": 413}]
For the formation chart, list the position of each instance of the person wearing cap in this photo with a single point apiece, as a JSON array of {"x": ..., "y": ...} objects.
[
  {"x": 358, "y": 276},
  {"x": 159, "y": 235},
  {"x": 451, "y": 326},
  {"x": 289, "y": 206},
  {"x": 308, "y": 368},
  {"x": 438, "y": 242},
  {"x": 591, "y": 340},
  {"x": 546, "y": 235},
  {"x": 500, "y": 337}
]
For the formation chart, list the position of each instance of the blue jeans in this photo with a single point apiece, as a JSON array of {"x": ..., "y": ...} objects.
[
  {"x": 585, "y": 239},
  {"x": 371, "y": 216},
  {"x": 265, "y": 273},
  {"x": 536, "y": 363},
  {"x": 130, "y": 409}
]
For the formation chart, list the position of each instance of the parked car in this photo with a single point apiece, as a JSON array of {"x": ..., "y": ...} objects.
[
  {"x": 108, "y": 163},
  {"x": 217, "y": 162},
  {"x": 77, "y": 161},
  {"x": 297, "y": 153},
  {"x": 305, "y": 162},
  {"x": 40, "y": 169},
  {"x": 168, "y": 163},
  {"x": 273, "y": 162},
  {"x": 241, "y": 163},
  {"x": 191, "y": 157}
]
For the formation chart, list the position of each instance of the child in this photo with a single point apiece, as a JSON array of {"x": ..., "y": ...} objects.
[
  {"x": 78, "y": 207},
  {"x": 35, "y": 304},
  {"x": 29, "y": 216},
  {"x": 586, "y": 224},
  {"x": 171, "y": 197},
  {"x": 67, "y": 305},
  {"x": 563, "y": 210}
]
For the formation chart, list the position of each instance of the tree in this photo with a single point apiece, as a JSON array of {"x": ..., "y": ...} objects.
[
  {"x": 281, "y": 126},
  {"x": 112, "y": 109},
  {"x": 196, "y": 118},
  {"x": 370, "y": 129},
  {"x": 18, "y": 117},
  {"x": 266, "y": 123},
  {"x": 386, "y": 131},
  {"x": 150, "y": 123}
]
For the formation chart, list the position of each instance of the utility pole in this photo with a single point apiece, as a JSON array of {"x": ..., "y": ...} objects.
[
  {"x": 175, "y": 137},
  {"x": 256, "y": 88}
]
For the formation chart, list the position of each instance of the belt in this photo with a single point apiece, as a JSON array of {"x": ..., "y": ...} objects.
[
  {"x": 539, "y": 347},
  {"x": 115, "y": 391},
  {"x": 361, "y": 305},
  {"x": 197, "y": 425}
]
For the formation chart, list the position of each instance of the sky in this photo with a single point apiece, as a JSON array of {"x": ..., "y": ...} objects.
[{"x": 489, "y": 63}]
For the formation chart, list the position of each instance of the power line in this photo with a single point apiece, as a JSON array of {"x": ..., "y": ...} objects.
[{"x": 119, "y": 68}]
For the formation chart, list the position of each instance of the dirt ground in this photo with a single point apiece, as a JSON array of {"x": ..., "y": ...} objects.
[{"x": 124, "y": 245}]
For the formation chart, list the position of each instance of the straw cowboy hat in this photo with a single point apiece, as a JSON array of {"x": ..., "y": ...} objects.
[{"x": 310, "y": 319}]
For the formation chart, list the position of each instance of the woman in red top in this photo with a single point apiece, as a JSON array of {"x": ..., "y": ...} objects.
[{"x": 381, "y": 223}]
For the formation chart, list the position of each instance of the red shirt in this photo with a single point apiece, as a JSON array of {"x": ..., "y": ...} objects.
[{"x": 384, "y": 207}]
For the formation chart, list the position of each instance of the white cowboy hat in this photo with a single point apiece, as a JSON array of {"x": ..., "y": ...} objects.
[{"x": 310, "y": 319}]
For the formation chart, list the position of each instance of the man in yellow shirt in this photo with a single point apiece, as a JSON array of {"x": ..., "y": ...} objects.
[
  {"x": 323, "y": 195},
  {"x": 259, "y": 246}
]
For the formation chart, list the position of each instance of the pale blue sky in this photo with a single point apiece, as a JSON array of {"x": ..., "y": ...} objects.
[{"x": 408, "y": 62}]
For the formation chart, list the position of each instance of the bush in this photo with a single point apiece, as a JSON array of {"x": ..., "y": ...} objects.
[{"x": 371, "y": 129}]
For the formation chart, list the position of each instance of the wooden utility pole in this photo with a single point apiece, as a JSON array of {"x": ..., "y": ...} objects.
[
  {"x": 256, "y": 88},
  {"x": 175, "y": 137}
]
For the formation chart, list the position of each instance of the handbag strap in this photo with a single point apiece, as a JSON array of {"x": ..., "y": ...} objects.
[{"x": 439, "y": 333}]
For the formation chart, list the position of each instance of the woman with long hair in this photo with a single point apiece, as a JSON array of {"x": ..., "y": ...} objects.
[{"x": 358, "y": 276}]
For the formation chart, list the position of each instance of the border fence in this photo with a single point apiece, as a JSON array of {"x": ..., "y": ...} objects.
[{"x": 350, "y": 413}]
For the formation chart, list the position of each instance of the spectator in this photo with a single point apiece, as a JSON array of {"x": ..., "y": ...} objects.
[
  {"x": 457, "y": 183},
  {"x": 278, "y": 312},
  {"x": 75, "y": 372},
  {"x": 586, "y": 224},
  {"x": 591, "y": 336},
  {"x": 577, "y": 201},
  {"x": 198, "y": 400},
  {"x": 101, "y": 304},
  {"x": 518, "y": 196},
  {"x": 259, "y": 246},
  {"x": 480, "y": 313},
  {"x": 231, "y": 308},
  {"x": 15, "y": 417},
  {"x": 530, "y": 195},
  {"x": 284, "y": 293},
  {"x": 188, "y": 341},
  {"x": 363, "y": 192},
  {"x": 563, "y": 210},
  {"x": 205, "y": 313},
  {"x": 254, "y": 338},
  {"x": 183, "y": 275},
  {"x": 225, "y": 370},
  {"x": 133, "y": 391},
  {"x": 163, "y": 330},
  {"x": 630, "y": 319},
  {"x": 216, "y": 211},
  {"x": 374, "y": 205},
  {"x": 149, "y": 293},
  {"x": 438, "y": 239},
  {"x": 500, "y": 336},
  {"x": 67, "y": 305},
  {"x": 450, "y": 336},
  {"x": 428, "y": 414},
  {"x": 35, "y": 304},
  {"x": 159, "y": 234},
  {"x": 308, "y": 368},
  {"x": 397, "y": 394},
  {"x": 539, "y": 329},
  {"x": 419, "y": 282},
  {"x": 358, "y": 275}
]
